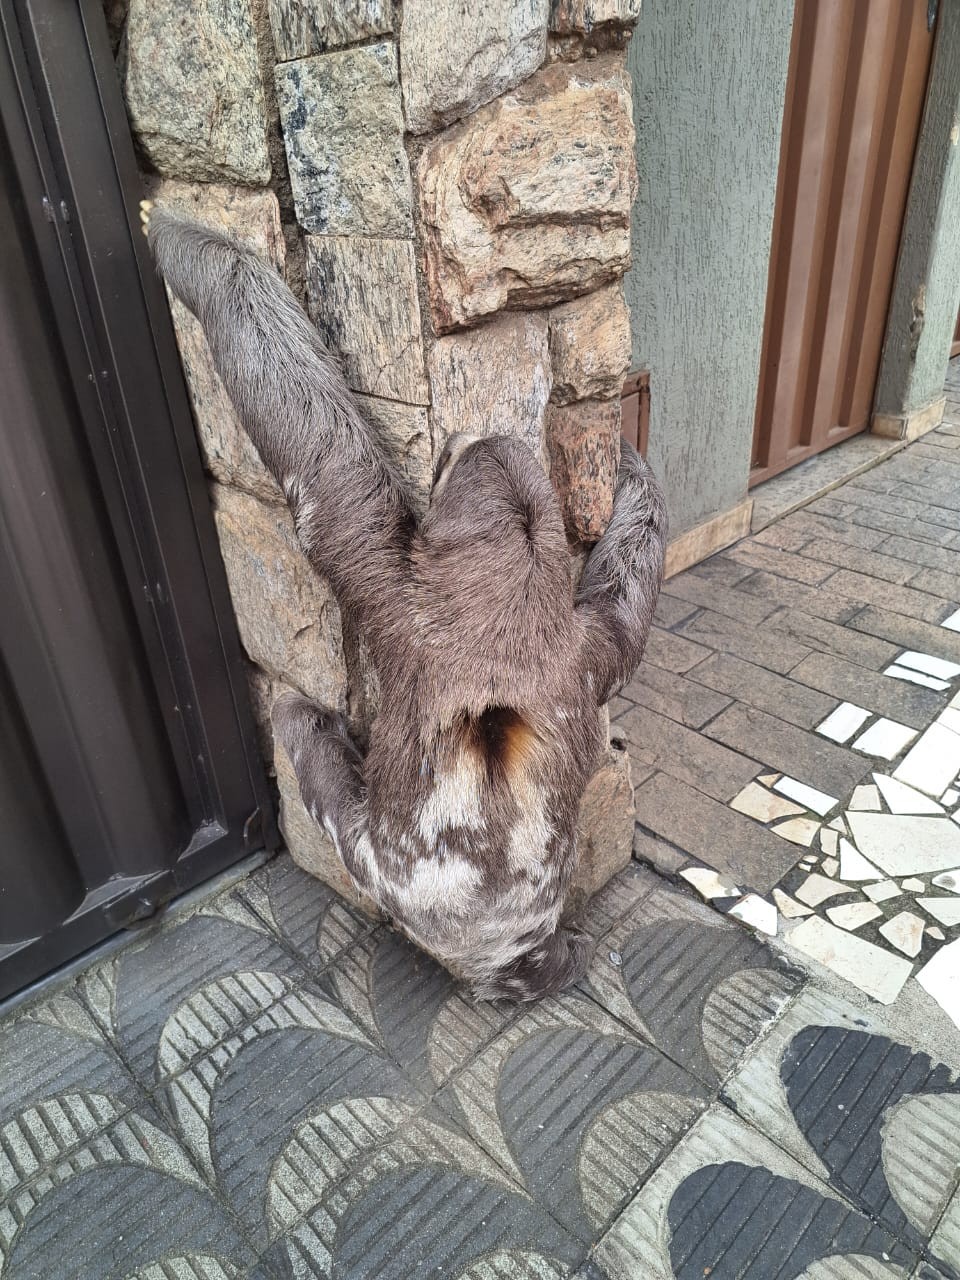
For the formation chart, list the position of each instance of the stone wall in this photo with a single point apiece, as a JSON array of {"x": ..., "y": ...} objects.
[{"x": 450, "y": 196}]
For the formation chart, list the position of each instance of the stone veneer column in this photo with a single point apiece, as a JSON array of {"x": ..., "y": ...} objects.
[{"x": 452, "y": 201}]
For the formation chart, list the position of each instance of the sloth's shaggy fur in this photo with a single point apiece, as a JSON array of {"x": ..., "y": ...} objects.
[{"x": 460, "y": 820}]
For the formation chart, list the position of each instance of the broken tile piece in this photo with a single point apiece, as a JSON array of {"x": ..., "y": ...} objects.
[
  {"x": 935, "y": 932},
  {"x": 913, "y": 885},
  {"x": 768, "y": 779},
  {"x": 838, "y": 824},
  {"x": 797, "y": 830},
  {"x": 709, "y": 884},
  {"x": 841, "y": 724},
  {"x": 831, "y": 866},
  {"x": 882, "y": 891},
  {"x": 812, "y": 799},
  {"x": 885, "y": 739},
  {"x": 941, "y": 978},
  {"x": 828, "y": 841},
  {"x": 903, "y": 799},
  {"x": 953, "y": 622},
  {"x": 946, "y": 910},
  {"x": 950, "y": 797},
  {"x": 816, "y": 889},
  {"x": 854, "y": 866},
  {"x": 788, "y": 907},
  {"x": 905, "y": 932},
  {"x": 871, "y": 968},
  {"x": 950, "y": 719},
  {"x": 865, "y": 797},
  {"x": 756, "y": 911},
  {"x": 932, "y": 762},
  {"x": 916, "y": 677},
  {"x": 928, "y": 664},
  {"x": 906, "y": 846},
  {"x": 756, "y": 802},
  {"x": 852, "y": 915},
  {"x": 808, "y": 862},
  {"x": 948, "y": 880}
]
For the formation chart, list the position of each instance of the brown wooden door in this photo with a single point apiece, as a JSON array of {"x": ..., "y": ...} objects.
[{"x": 855, "y": 92}]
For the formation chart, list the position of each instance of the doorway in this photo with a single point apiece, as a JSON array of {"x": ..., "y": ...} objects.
[{"x": 855, "y": 92}]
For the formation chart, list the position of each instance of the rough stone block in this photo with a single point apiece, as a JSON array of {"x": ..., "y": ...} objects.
[
  {"x": 457, "y": 57},
  {"x": 288, "y": 619},
  {"x": 403, "y": 432},
  {"x": 604, "y": 828},
  {"x": 590, "y": 346},
  {"x": 254, "y": 218},
  {"x": 343, "y": 130},
  {"x": 493, "y": 381},
  {"x": 583, "y": 441},
  {"x": 569, "y": 17},
  {"x": 193, "y": 90},
  {"x": 528, "y": 202},
  {"x": 304, "y": 27},
  {"x": 309, "y": 846},
  {"x": 362, "y": 296}
]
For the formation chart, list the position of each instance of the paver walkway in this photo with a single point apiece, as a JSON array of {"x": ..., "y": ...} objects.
[{"x": 266, "y": 1085}]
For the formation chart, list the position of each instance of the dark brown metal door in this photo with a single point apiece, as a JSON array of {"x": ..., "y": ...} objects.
[
  {"x": 855, "y": 93},
  {"x": 128, "y": 765}
]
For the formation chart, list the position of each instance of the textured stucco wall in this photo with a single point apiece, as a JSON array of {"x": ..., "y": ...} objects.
[
  {"x": 926, "y": 291},
  {"x": 708, "y": 87}
]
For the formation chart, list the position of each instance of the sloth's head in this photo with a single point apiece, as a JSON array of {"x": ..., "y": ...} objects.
[{"x": 492, "y": 566}]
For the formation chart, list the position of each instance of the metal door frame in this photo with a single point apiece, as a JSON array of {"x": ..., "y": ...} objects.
[{"x": 67, "y": 134}]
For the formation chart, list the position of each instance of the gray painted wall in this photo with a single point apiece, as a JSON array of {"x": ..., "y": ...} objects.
[
  {"x": 708, "y": 87},
  {"x": 926, "y": 291}
]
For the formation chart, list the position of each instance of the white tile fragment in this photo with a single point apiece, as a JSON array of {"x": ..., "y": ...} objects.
[
  {"x": 950, "y": 719},
  {"x": 854, "y": 866},
  {"x": 852, "y": 915},
  {"x": 949, "y": 880},
  {"x": 903, "y": 799},
  {"x": 873, "y": 969},
  {"x": 905, "y": 932},
  {"x": 816, "y": 889},
  {"x": 756, "y": 911},
  {"x": 912, "y": 885},
  {"x": 935, "y": 932},
  {"x": 812, "y": 799},
  {"x": 941, "y": 978},
  {"x": 928, "y": 664},
  {"x": 882, "y": 891},
  {"x": 709, "y": 884},
  {"x": 831, "y": 866},
  {"x": 757, "y": 802},
  {"x": 950, "y": 797},
  {"x": 807, "y": 863},
  {"x": 906, "y": 846},
  {"x": 797, "y": 830},
  {"x": 841, "y": 724},
  {"x": 916, "y": 677},
  {"x": 768, "y": 779},
  {"x": 953, "y": 622},
  {"x": 885, "y": 738},
  {"x": 946, "y": 910},
  {"x": 838, "y": 824},
  {"x": 788, "y": 907},
  {"x": 933, "y": 762},
  {"x": 865, "y": 797},
  {"x": 828, "y": 841}
]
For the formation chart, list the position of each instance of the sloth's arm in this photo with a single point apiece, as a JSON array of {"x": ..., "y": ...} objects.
[
  {"x": 620, "y": 584},
  {"x": 352, "y": 517}
]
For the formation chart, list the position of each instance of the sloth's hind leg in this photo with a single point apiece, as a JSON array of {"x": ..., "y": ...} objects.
[
  {"x": 551, "y": 966},
  {"x": 329, "y": 769}
]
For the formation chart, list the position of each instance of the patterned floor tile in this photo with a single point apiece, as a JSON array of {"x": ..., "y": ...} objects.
[
  {"x": 865, "y": 1112},
  {"x": 574, "y": 1108},
  {"x": 698, "y": 988},
  {"x": 729, "y": 1204}
]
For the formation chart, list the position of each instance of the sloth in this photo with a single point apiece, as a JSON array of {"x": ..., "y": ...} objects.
[{"x": 460, "y": 819}]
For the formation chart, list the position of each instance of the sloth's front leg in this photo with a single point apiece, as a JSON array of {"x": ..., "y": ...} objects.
[{"x": 329, "y": 769}]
